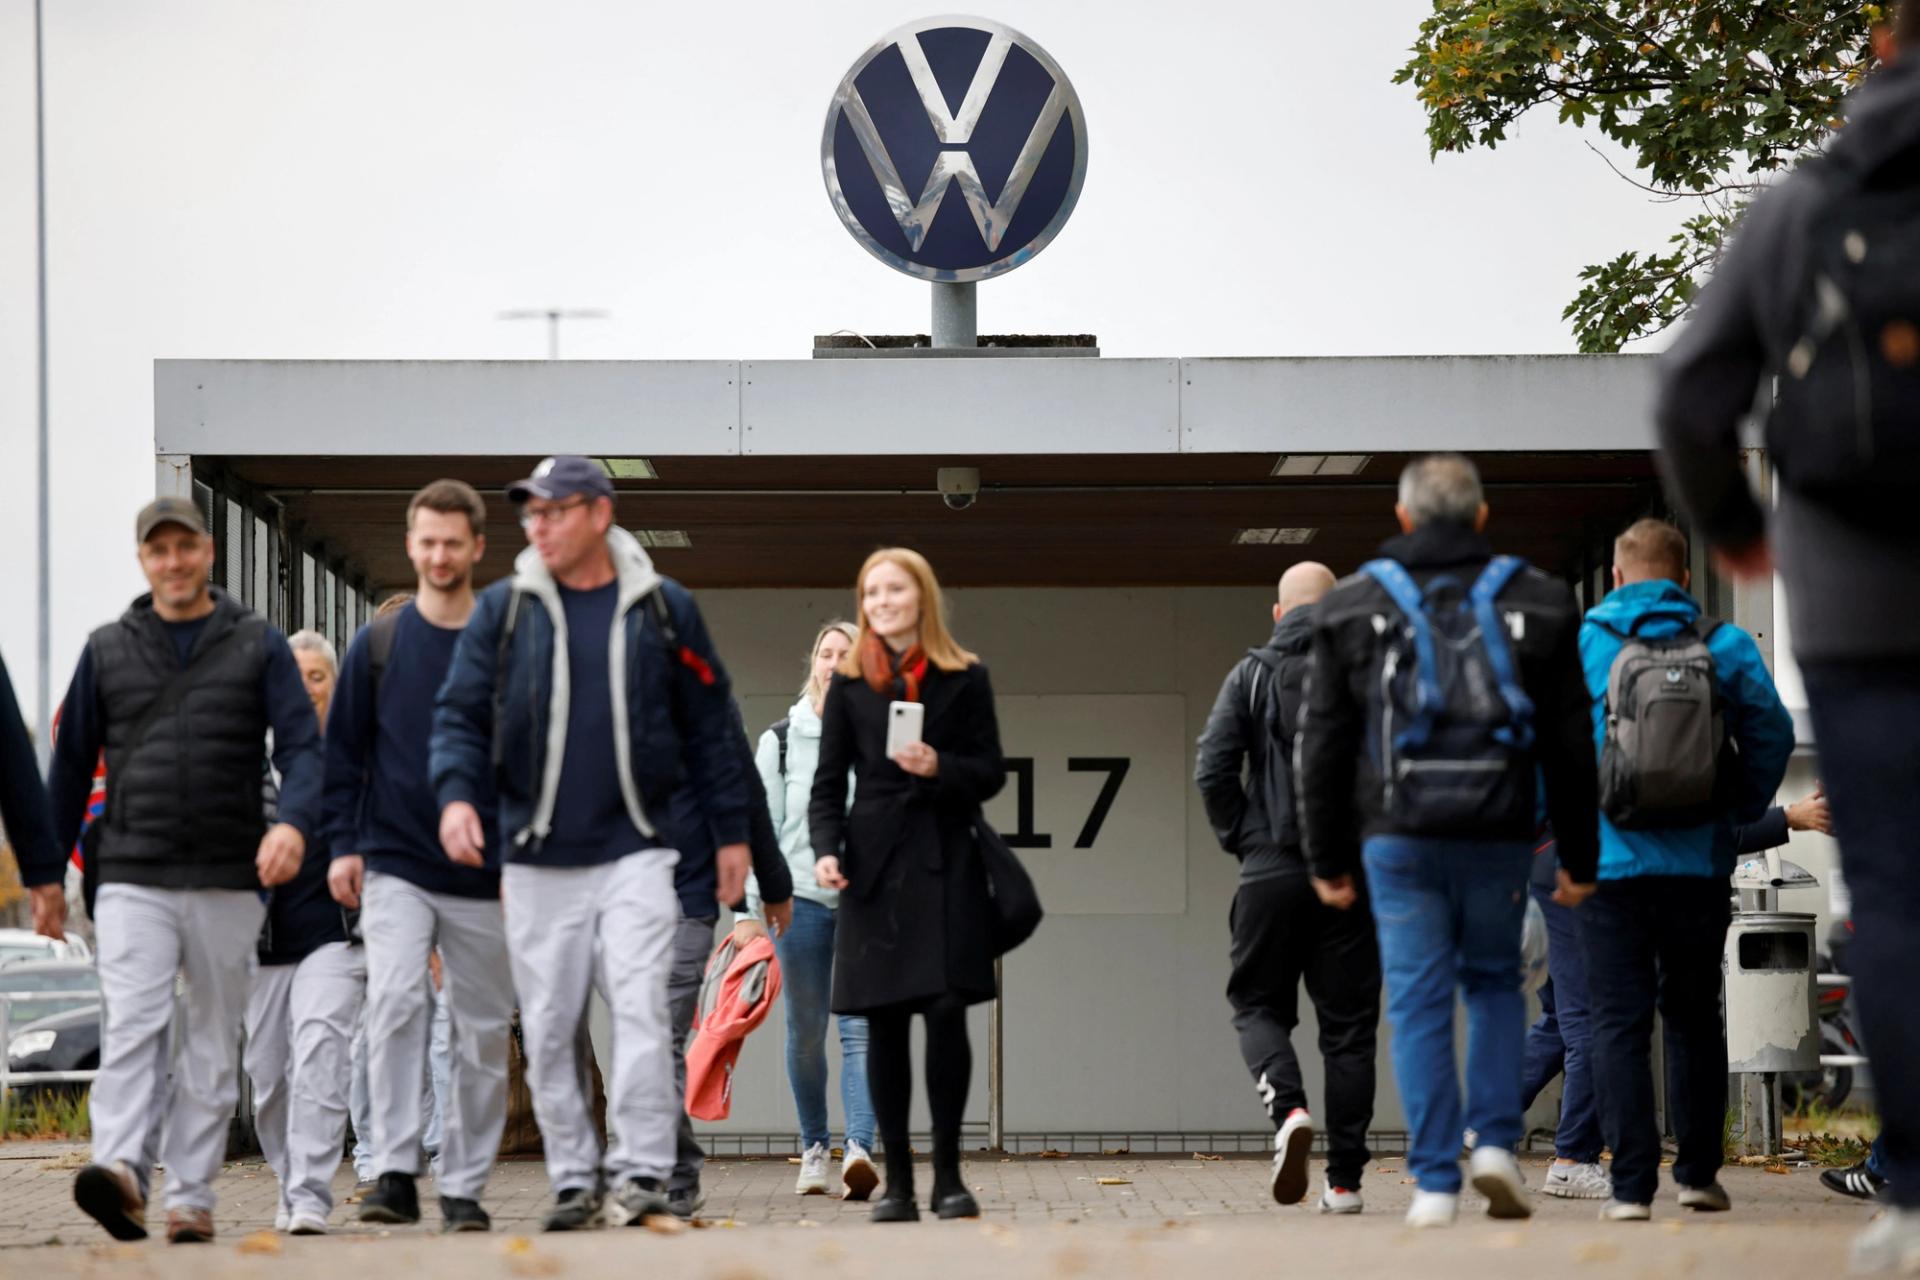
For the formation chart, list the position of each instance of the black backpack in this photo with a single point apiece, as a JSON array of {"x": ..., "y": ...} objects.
[
  {"x": 1451, "y": 728},
  {"x": 1846, "y": 410},
  {"x": 1276, "y": 778},
  {"x": 1661, "y": 762}
]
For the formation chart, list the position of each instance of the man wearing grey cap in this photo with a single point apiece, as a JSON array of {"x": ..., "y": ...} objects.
[
  {"x": 583, "y": 695},
  {"x": 180, "y": 693}
]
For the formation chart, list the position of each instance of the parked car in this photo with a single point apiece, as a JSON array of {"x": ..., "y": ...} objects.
[
  {"x": 46, "y": 987},
  {"x": 67, "y": 1041},
  {"x": 25, "y": 944}
]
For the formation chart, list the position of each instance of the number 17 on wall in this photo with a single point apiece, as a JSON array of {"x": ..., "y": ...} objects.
[{"x": 1021, "y": 767}]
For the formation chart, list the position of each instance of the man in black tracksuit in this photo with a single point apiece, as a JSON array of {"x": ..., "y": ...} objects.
[{"x": 1282, "y": 932}]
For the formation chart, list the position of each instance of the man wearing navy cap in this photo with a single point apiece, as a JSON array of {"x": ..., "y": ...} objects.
[{"x": 583, "y": 694}]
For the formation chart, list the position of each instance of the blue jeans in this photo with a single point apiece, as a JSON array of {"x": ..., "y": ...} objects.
[
  {"x": 806, "y": 970},
  {"x": 1559, "y": 1041},
  {"x": 1449, "y": 914}
]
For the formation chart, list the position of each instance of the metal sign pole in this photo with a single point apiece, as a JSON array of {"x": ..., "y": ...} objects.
[
  {"x": 43, "y": 638},
  {"x": 955, "y": 316},
  {"x": 996, "y": 1051}
]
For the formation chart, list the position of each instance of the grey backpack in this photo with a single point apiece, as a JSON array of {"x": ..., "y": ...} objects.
[{"x": 1666, "y": 731}]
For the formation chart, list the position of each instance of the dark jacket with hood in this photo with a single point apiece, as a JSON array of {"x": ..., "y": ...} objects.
[
  {"x": 1852, "y": 576},
  {"x": 1245, "y": 765},
  {"x": 184, "y": 791},
  {"x": 23, "y": 801},
  {"x": 697, "y": 877},
  {"x": 1338, "y": 781},
  {"x": 499, "y": 729}
]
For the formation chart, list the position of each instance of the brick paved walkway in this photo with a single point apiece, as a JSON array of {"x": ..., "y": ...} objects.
[{"x": 1107, "y": 1216}]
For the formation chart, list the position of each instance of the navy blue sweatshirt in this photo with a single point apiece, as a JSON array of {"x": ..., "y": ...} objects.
[
  {"x": 379, "y": 802},
  {"x": 591, "y": 824},
  {"x": 23, "y": 801},
  {"x": 302, "y": 916},
  {"x": 296, "y": 745}
]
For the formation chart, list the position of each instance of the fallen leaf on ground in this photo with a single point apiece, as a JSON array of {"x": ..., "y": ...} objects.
[
  {"x": 1051, "y": 1154},
  {"x": 1117, "y": 1151},
  {"x": 516, "y": 1245},
  {"x": 1407, "y": 1182},
  {"x": 260, "y": 1242},
  {"x": 1777, "y": 1168},
  {"x": 1114, "y": 1182},
  {"x": 663, "y": 1224},
  {"x": 1207, "y": 1155}
]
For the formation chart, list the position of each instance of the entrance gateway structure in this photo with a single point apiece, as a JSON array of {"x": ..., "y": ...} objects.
[
  {"x": 1112, "y": 530},
  {"x": 1130, "y": 520}
]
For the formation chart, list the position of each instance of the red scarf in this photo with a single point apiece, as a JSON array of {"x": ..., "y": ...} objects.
[{"x": 902, "y": 681}]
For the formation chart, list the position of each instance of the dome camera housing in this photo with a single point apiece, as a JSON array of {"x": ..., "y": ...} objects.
[{"x": 959, "y": 486}]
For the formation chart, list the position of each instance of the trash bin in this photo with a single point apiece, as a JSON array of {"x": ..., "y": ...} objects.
[{"x": 1771, "y": 1022}]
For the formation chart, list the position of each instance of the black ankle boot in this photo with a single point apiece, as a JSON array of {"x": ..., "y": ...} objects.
[
  {"x": 896, "y": 1200},
  {"x": 951, "y": 1199}
]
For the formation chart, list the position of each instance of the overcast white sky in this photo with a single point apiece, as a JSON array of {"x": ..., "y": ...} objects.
[{"x": 263, "y": 178}]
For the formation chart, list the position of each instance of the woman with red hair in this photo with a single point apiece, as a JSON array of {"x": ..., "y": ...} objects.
[{"x": 915, "y": 928}]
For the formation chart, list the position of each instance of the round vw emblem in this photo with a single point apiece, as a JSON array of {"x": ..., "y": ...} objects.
[{"x": 955, "y": 149}]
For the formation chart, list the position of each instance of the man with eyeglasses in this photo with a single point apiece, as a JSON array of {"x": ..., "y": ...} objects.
[{"x": 584, "y": 693}]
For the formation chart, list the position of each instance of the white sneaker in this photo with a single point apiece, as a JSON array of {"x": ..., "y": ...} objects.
[
  {"x": 281, "y": 1219},
  {"x": 1495, "y": 1174},
  {"x": 1577, "y": 1182},
  {"x": 1291, "y": 1147},
  {"x": 1340, "y": 1200},
  {"x": 813, "y": 1171},
  {"x": 1625, "y": 1211},
  {"x": 857, "y": 1173},
  {"x": 1889, "y": 1246},
  {"x": 306, "y": 1224},
  {"x": 1712, "y": 1198},
  {"x": 1433, "y": 1209}
]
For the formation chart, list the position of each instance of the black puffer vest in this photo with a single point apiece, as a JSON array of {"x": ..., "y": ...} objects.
[{"x": 184, "y": 805}]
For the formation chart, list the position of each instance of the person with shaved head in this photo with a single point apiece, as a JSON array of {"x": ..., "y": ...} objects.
[{"x": 1282, "y": 932}]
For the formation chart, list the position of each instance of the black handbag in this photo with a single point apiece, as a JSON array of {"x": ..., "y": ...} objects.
[{"x": 1016, "y": 904}]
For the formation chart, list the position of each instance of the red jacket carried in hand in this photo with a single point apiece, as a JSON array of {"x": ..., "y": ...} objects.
[{"x": 738, "y": 993}]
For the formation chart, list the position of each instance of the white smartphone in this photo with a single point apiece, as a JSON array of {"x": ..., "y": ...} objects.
[{"x": 904, "y": 721}]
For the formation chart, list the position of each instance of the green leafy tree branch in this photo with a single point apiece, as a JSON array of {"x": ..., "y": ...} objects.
[{"x": 1712, "y": 100}]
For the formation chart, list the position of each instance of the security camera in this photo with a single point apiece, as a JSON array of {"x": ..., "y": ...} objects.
[{"x": 959, "y": 486}]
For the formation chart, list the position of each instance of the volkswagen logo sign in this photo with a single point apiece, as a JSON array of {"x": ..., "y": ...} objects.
[{"x": 955, "y": 149}]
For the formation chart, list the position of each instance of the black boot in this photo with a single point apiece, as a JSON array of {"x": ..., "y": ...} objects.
[
  {"x": 896, "y": 1201},
  {"x": 393, "y": 1201},
  {"x": 951, "y": 1199}
]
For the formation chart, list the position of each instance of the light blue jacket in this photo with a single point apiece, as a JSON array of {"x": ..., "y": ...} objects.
[
  {"x": 787, "y": 801},
  {"x": 1756, "y": 721}
]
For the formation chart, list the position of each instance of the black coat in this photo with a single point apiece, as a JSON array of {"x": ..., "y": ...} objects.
[{"x": 915, "y": 921}]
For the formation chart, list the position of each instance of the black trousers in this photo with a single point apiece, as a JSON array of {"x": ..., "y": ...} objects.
[
  {"x": 1282, "y": 934},
  {"x": 1658, "y": 942},
  {"x": 890, "y": 1080},
  {"x": 1863, "y": 719}
]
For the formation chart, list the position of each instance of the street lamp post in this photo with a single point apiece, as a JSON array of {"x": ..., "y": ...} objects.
[
  {"x": 43, "y": 694},
  {"x": 553, "y": 316}
]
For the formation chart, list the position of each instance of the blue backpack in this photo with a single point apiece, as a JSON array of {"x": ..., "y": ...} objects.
[{"x": 1451, "y": 730}]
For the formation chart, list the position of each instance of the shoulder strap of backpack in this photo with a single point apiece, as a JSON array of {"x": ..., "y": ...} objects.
[
  {"x": 1500, "y": 571},
  {"x": 380, "y": 633},
  {"x": 670, "y": 637},
  {"x": 500, "y": 650},
  {"x": 780, "y": 728},
  {"x": 1411, "y": 601}
]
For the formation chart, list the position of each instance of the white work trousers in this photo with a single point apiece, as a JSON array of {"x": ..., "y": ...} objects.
[
  {"x": 146, "y": 937},
  {"x": 573, "y": 930},
  {"x": 300, "y": 1020},
  {"x": 402, "y": 923}
]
